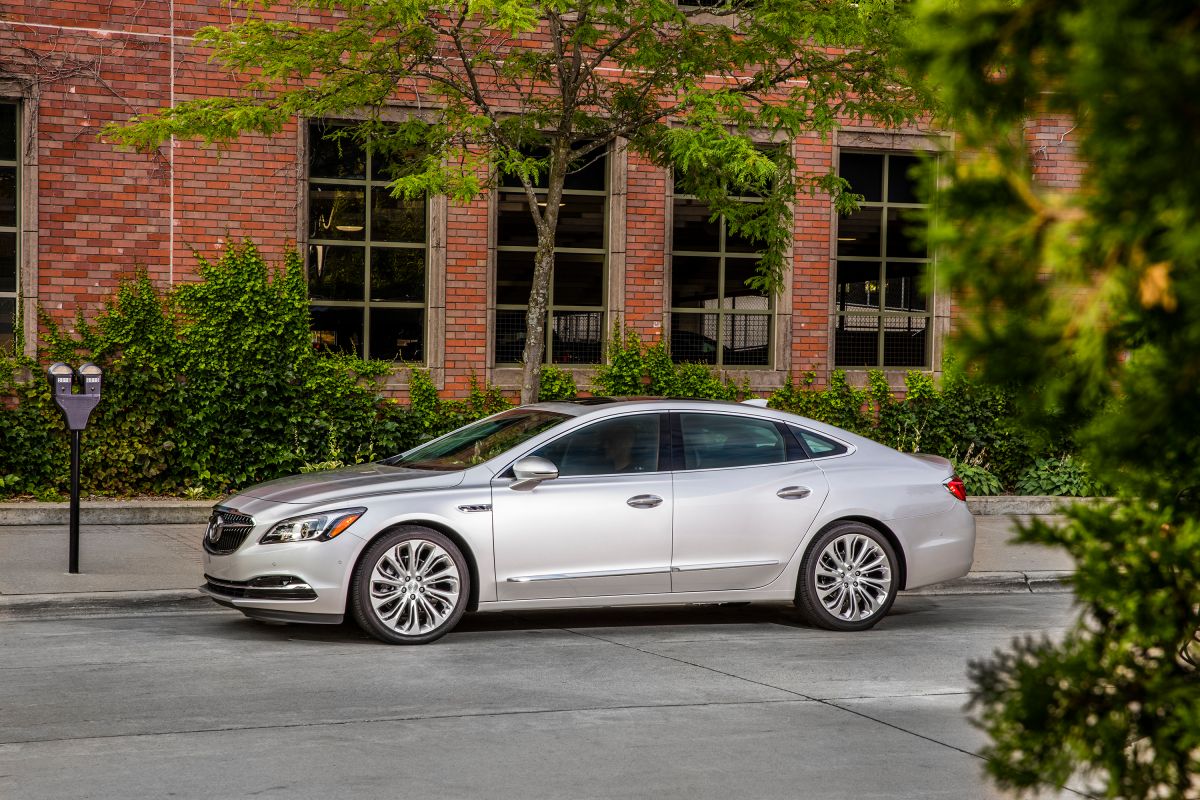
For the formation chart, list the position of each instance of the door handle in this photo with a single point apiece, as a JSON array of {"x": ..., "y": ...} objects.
[
  {"x": 644, "y": 501},
  {"x": 794, "y": 492}
]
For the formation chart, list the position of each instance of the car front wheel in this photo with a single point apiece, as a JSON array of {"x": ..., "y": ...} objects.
[
  {"x": 848, "y": 580},
  {"x": 410, "y": 587}
]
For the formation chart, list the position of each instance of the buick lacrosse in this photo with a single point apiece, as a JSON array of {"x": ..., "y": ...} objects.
[{"x": 596, "y": 503}]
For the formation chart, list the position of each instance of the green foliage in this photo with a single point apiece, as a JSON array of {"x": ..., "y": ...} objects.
[
  {"x": 973, "y": 424},
  {"x": 979, "y": 482},
  {"x": 34, "y": 446},
  {"x": 1063, "y": 476},
  {"x": 1089, "y": 303},
  {"x": 430, "y": 416},
  {"x": 838, "y": 403},
  {"x": 214, "y": 384},
  {"x": 623, "y": 373},
  {"x": 557, "y": 384},
  {"x": 1117, "y": 698},
  {"x": 635, "y": 370}
]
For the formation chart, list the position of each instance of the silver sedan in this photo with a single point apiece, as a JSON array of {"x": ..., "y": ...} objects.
[{"x": 596, "y": 503}]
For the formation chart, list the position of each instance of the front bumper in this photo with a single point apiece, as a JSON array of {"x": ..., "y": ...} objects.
[
  {"x": 268, "y": 612},
  {"x": 289, "y": 582}
]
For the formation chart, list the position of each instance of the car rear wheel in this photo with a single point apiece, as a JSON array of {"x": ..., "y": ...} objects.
[
  {"x": 410, "y": 587},
  {"x": 848, "y": 578}
]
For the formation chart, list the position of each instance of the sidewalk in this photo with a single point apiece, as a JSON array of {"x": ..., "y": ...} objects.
[{"x": 145, "y": 556}]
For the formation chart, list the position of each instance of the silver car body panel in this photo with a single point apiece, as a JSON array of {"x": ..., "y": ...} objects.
[
  {"x": 719, "y": 535},
  {"x": 579, "y": 537},
  {"x": 732, "y": 530}
]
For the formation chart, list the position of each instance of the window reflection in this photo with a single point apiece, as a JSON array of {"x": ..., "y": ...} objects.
[
  {"x": 576, "y": 301},
  {"x": 367, "y": 253},
  {"x": 882, "y": 263}
]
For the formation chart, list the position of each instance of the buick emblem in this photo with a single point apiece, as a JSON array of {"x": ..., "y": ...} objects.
[{"x": 216, "y": 528}]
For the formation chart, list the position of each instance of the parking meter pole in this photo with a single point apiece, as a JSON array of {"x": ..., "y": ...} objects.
[
  {"x": 73, "y": 553},
  {"x": 76, "y": 408}
]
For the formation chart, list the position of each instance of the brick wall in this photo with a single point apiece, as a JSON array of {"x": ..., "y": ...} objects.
[
  {"x": 104, "y": 212},
  {"x": 1051, "y": 143}
]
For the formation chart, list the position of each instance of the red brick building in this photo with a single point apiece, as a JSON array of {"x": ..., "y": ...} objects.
[{"x": 434, "y": 283}]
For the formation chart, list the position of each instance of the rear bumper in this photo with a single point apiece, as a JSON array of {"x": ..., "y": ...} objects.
[{"x": 937, "y": 547}]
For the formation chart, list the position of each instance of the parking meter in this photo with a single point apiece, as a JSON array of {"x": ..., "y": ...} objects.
[{"x": 76, "y": 408}]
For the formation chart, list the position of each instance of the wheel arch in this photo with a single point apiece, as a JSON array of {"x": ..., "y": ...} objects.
[
  {"x": 884, "y": 530},
  {"x": 445, "y": 530}
]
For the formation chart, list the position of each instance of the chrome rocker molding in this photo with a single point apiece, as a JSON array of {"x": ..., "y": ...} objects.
[{"x": 617, "y": 573}]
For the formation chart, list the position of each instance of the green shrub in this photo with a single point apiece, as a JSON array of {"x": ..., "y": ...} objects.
[
  {"x": 557, "y": 384},
  {"x": 837, "y": 404},
  {"x": 214, "y": 384},
  {"x": 429, "y": 415},
  {"x": 1063, "y": 476},
  {"x": 968, "y": 422},
  {"x": 636, "y": 370},
  {"x": 34, "y": 446},
  {"x": 625, "y": 368},
  {"x": 979, "y": 482}
]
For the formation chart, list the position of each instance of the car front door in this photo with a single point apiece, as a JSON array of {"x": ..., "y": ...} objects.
[
  {"x": 602, "y": 527},
  {"x": 744, "y": 498}
]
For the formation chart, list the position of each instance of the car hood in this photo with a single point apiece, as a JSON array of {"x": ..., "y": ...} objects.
[{"x": 347, "y": 483}]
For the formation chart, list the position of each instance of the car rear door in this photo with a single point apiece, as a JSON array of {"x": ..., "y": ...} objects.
[
  {"x": 603, "y": 527},
  {"x": 745, "y": 495}
]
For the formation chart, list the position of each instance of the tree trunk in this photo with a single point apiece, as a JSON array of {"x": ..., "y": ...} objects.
[{"x": 543, "y": 270}]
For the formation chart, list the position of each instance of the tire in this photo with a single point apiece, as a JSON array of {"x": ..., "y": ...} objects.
[
  {"x": 854, "y": 599},
  {"x": 397, "y": 567}
]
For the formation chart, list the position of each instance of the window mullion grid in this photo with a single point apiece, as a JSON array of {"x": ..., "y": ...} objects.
[
  {"x": 15, "y": 229},
  {"x": 883, "y": 246},
  {"x": 367, "y": 204},
  {"x": 551, "y": 307}
]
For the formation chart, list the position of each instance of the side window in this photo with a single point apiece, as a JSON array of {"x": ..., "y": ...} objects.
[
  {"x": 713, "y": 441},
  {"x": 819, "y": 446},
  {"x": 625, "y": 444}
]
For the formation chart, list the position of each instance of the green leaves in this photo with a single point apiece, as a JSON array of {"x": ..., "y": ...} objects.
[
  {"x": 1116, "y": 702},
  {"x": 215, "y": 384},
  {"x": 1089, "y": 302},
  {"x": 1063, "y": 476}
]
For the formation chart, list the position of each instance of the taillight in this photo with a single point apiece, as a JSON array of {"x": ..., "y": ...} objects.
[{"x": 956, "y": 487}]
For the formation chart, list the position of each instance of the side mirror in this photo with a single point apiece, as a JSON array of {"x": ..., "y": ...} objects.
[{"x": 532, "y": 470}]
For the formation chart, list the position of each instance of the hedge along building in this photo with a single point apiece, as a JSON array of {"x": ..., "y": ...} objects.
[{"x": 430, "y": 282}]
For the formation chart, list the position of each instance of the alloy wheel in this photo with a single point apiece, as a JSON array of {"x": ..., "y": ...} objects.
[
  {"x": 853, "y": 577},
  {"x": 415, "y": 587}
]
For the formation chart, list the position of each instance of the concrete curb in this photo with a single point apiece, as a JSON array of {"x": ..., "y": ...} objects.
[
  {"x": 1040, "y": 582},
  {"x": 1026, "y": 504},
  {"x": 109, "y": 512},
  {"x": 101, "y": 604},
  {"x": 177, "y": 601},
  {"x": 196, "y": 512}
]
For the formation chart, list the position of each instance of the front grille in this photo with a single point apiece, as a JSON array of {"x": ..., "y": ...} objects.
[
  {"x": 267, "y": 587},
  {"x": 227, "y": 530}
]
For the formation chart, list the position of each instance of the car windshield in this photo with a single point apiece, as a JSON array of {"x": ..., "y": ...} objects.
[{"x": 478, "y": 442}]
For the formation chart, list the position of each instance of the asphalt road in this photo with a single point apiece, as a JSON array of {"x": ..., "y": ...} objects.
[{"x": 700, "y": 702}]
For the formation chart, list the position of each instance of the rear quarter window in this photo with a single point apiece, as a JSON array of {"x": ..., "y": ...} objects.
[{"x": 819, "y": 446}]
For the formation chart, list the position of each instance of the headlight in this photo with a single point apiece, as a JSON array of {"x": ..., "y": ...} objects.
[{"x": 314, "y": 526}]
